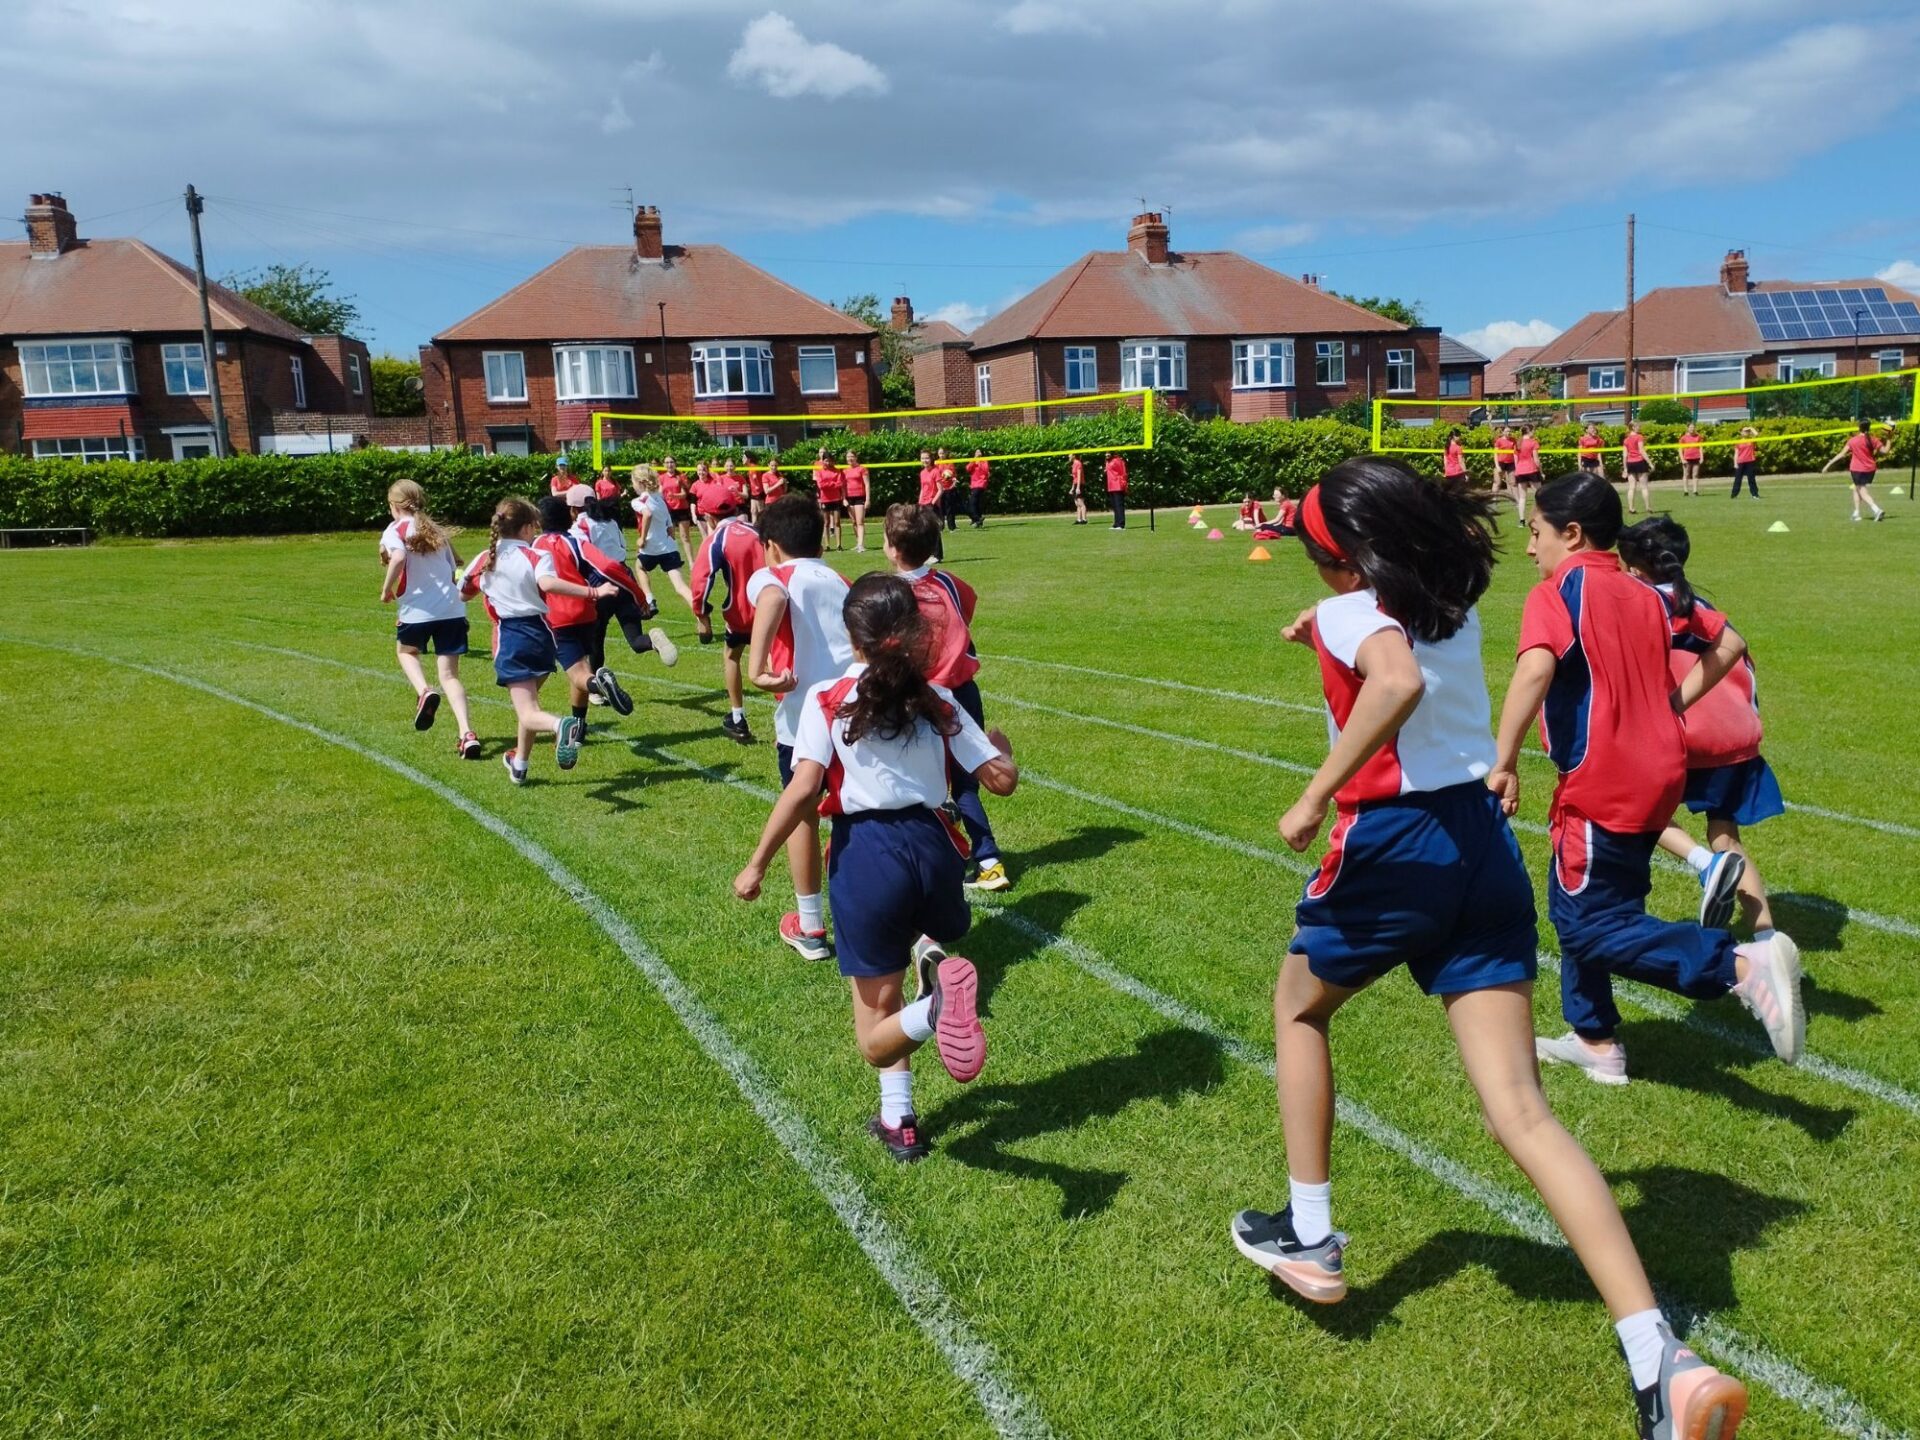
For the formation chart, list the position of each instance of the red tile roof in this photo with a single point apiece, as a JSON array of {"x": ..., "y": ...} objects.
[
  {"x": 928, "y": 333},
  {"x": 115, "y": 287},
  {"x": 1117, "y": 295},
  {"x": 607, "y": 292},
  {"x": 1503, "y": 371}
]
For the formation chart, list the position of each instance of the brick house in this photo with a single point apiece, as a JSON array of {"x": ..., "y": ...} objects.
[
  {"x": 1463, "y": 371},
  {"x": 1216, "y": 334},
  {"x": 651, "y": 328},
  {"x": 1733, "y": 334},
  {"x": 937, "y": 351},
  {"x": 1502, "y": 377},
  {"x": 101, "y": 355}
]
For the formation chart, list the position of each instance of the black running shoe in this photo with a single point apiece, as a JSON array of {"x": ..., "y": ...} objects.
[
  {"x": 425, "y": 710},
  {"x": 903, "y": 1141},
  {"x": 737, "y": 729},
  {"x": 621, "y": 702}
]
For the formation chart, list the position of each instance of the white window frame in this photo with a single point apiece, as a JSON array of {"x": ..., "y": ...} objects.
[
  {"x": 39, "y": 356},
  {"x": 1823, "y": 366},
  {"x": 1619, "y": 385},
  {"x": 1396, "y": 359},
  {"x": 1330, "y": 362},
  {"x": 574, "y": 366},
  {"x": 1683, "y": 372},
  {"x": 1083, "y": 370},
  {"x": 185, "y": 355},
  {"x": 818, "y": 352},
  {"x": 716, "y": 359},
  {"x": 983, "y": 384},
  {"x": 505, "y": 394},
  {"x": 184, "y": 437},
  {"x": 1888, "y": 360},
  {"x": 299, "y": 383},
  {"x": 1164, "y": 367},
  {"x": 755, "y": 440},
  {"x": 1263, "y": 364},
  {"x": 91, "y": 449},
  {"x": 354, "y": 377}
]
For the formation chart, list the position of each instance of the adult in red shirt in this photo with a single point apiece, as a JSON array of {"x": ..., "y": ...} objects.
[
  {"x": 561, "y": 480},
  {"x": 1077, "y": 490},
  {"x": 949, "y": 482},
  {"x": 1526, "y": 469},
  {"x": 772, "y": 483},
  {"x": 978, "y": 473},
  {"x": 856, "y": 474},
  {"x": 1117, "y": 489},
  {"x": 1861, "y": 452},
  {"x": 1593, "y": 666},
  {"x": 673, "y": 494},
  {"x": 1746, "y": 462},
  {"x": 930, "y": 492},
  {"x": 830, "y": 488},
  {"x": 753, "y": 487},
  {"x": 1639, "y": 469}
]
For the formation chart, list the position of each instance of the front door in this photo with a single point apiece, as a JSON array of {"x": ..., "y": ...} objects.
[{"x": 192, "y": 444}]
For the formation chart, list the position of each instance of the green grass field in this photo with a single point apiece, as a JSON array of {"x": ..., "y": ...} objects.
[{"x": 347, "y": 1090}]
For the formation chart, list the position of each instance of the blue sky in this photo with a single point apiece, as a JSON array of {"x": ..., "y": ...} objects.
[{"x": 1478, "y": 157}]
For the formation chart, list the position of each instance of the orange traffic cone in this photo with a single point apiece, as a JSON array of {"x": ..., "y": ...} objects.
[{"x": 1260, "y": 553}]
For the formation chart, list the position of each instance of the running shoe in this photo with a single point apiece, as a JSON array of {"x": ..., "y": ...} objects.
[
  {"x": 1313, "y": 1272},
  {"x": 516, "y": 773},
  {"x": 650, "y": 609},
  {"x": 424, "y": 712},
  {"x": 1719, "y": 887},
  {"x": 927, "y": 953},
  {"x": 469, "y": 747},
  {"x": 737, "y": 729},
  {"x": 664, "y": 647},
  {"x": 1878, "y": 516},
  {"x": 1603, "y": 1067},
  {"x": 992, "y": 875},
  {"x": 903, "y": 1141},
  {"x": 1771, "y": 992},
  {"x": 594, "y": 694},
  {"x": 955, "y": 1014},
  {"x": 1691, "y": 1400},
  {"x": 808, "y": 944},
  {"x": 621, "y": 702},
  {"x": 566, "y": 742}
]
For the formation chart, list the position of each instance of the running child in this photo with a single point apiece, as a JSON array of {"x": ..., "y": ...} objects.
[
  {"x": 979, "y": 474},
  {"x": 1077, "y": 489},
  {"x": 655, "y": 543},
  {"x": 1453, "y": 464},
  {"x": 1727, "y": 779},
  {"x": 518, "y": 581},
  {"x": 1422, "y": 870},
  {"x": 798, "y": 641},
  {"x": 876, "y": 740},
  {"x": 946, "y": 607},
  {"x": 1691, "y": 454},
  {"x": 1505, "y": 453},
  {"x": 1589, "y": 452},
  {"x": 422, "y": 574},
  {"x": 856, "y": 474},
  {"x": 1638, "y": 469},
  {"x": 830, "y": 485},
  {"x": 1252, "y": 514},
  {"x": 580, "y": 624},
  {"x": 597, "y": 521},
  {"x": 1862, "y": 452},
  {"x": 1526, "y": 469},
  {"x": 1593, "y": 651},
  {"x": 1746, "y": 463},
  {"x": 730, "y": 556}
]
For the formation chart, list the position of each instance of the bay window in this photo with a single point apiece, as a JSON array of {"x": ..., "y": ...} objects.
[
  {"x": 77, "y": 367},
  {"x": 1711, "y": 372},
  {"x": 93, "y": 449}
]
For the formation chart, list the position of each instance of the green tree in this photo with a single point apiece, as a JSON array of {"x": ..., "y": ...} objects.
[
  {"x": 302, "y": 295},
  {"x": 896, "y": 351},
  {"x": 1405, "y": 312},
  {"x": 396, "y": 388}
]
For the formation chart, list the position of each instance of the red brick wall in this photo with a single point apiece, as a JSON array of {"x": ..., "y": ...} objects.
[
  {"x": 329, "y": 387},
  {"x": 942, "y": 375}
]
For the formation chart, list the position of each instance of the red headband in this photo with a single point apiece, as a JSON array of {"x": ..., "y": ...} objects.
[{"x": 1315, "y": 524}]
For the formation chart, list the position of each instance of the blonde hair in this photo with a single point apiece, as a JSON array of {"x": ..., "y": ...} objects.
[
  {"x": 424, "y": 536},
  {"x": 510, "y": 517},
  {"x": 645, "y": 479}
]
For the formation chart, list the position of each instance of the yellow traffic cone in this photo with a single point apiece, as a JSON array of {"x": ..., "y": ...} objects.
[{"x": 1778, "y": 527}]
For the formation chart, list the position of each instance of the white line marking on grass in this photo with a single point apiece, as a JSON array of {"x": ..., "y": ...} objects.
[
  {"x": 996, "y": 657},
  {"x": 1205, "y": 836},
  {"x": 1831, "y": 1404},
  {"x": 1885, "y": 827},
  {"x": 919, "y": 1290},
  {"x": 1079, "y": 717}
]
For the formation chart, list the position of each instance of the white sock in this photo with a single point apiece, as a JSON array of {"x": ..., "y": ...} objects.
[
  {"x": 916, "y": 1020},
  {"x": 896, "y": 1096},
  {"x": 1699, "y": 858},
  {"x": 1312, "y": 1210},
  {"x": 736, "y": 714},
  {"x": 1640, "y": 1337},
  {"x": 813, "y": 918},
  {"x": 1878, "y": 511}
]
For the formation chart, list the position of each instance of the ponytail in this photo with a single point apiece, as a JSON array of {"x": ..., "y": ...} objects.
[
  {"x": 883, "y": 621},
  {"x": 510, "y": 517},
  {"x": 424, "y": 535},
  {"x": 1658, "y": 548}
]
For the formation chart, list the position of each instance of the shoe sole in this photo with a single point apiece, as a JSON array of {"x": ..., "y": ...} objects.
[
  {"x": 1714, "y": 1411},
  {"x": 999, "y": 882},
  {"x": 957, "y": 1035},
  {"x": 664, "y": 647},
  {"x": 1783, "y": 959},
  {"x": 618, "y": 698},
  {"x": 1599, "y": 1077},
  {"x": 472, "y": 752},
  {"x": 1309, "y": 1282},
  {"x": 429, "y": 707},
  {"x": 807, "y": 949},
  {"x": 566, "y": 755},
  {"x": 1716, "y": 903}
]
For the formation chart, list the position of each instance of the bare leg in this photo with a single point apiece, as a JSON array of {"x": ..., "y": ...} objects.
[
  {"x": 578, "y": 674},
  {"x": 876, "y": 1021},
  {"x": 454, "y": 690},
  {"x": 1302, "y": 1006},
  {"x": 730, "y": 671},
  {"x": 803, "y": 857},
  {"x": 1677, "y": 842},
  {"x": 860, "y": 527},
  {"x": 680, "y": 586},
  {"x": 410, "y": 667},
  {"x": 1725, "y": 835},
  {"x": 531, "y": 719},
  {"x": 1494, "y": 1030}
]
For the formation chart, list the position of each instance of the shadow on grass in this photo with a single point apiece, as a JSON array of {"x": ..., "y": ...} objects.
[
  {"x": 1673, "y": 1054},
  {"x": 1688, "y": 1225},
  {"x": 1163, "y": 1066},
  {"x": 1089, "y": 842},
  {"x": 1814, "y": 921},
  {"x": 1821, "y": 999},
  {"x": 1008, "y": 945}
]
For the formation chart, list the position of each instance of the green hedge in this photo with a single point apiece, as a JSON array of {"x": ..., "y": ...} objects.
[{"x": 1210, "y": 461}]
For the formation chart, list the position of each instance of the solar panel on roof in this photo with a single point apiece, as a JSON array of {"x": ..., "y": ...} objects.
[
  {"x": 1772, "y": 330},
  {"x": 1828, "y": 297},
  {"x": 1760, "y": 304},
  {"x": 1875, "y": 295},
  {"x": 1853, "y": 297},
  {"x": 1794, "y": 330},
  {"x": 1909, "y": 312}
]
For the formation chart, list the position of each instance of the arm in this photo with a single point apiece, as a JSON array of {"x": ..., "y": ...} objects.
[
  {"x": 803, "y": 795},
  {"x": 1300, "y": 631},
  {"x": 1713, "y": 666},
  {"x": 1834, "y": 461},
  {"x": 395, "y": 567},
  {"x": 1532, "y": 674},
  {"x": 768, "y": 612},
  {"x": 1002, "y": 775},
  {"x": 554, "y": 585},
  {"x": 1391, "y": 689}
]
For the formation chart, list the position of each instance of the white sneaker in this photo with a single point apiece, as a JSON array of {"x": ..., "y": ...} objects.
[
  {"x": 664, "y": 647},
  {"x": 1603, "y": 1067},
  {"x": 1771, "y": 992},
  {"x": 1856, "y": 517}
]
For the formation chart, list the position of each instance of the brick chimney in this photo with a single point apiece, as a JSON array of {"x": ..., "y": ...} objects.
[
  {"x": 1733, "y": 272},
  {"x": 50, "y": 226},
  {"x": 1148, "y": 237},
  {"x": 902, "y": 313},
  {"x": 646, "y": 233}
]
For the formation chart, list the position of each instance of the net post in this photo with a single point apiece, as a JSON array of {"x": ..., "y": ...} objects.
[
  {"x": 595, "y": 419},
  {"x": 1379, "y": 406}
]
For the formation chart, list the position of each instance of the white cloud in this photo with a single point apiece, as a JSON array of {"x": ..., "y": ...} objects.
[
  {"x": 1903, "y": 273},
  {"x": 774, "y": 54},
  {"x": 616, "y": 119},
  {"x": 643, "y": 69},
  {"x": 1497, "y": 337},
  {"x": 961, "y": 314},
  {"x": 1042, "y": 17}
]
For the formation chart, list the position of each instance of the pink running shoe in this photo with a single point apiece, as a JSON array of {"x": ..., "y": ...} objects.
[
  {"x": 809, "y": 944},
  {"x": 956, "y": 1018}
]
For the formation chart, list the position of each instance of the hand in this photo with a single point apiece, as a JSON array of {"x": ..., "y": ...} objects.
[
  {"x": 1505, "y": 784},
  {"x": 1300, "y": 630},
  {"x": 777, "y": 681},
  {"x": 1301, "y": 823},
  {"x": 606, "y": 591},
  {"x": 998, "y": 739},
  {"x": 746, "y": 885}
]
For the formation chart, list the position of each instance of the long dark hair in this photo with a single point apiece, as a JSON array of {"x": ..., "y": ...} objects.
[
  {"x": 1585, "y": 499},
  {"x": 883, "y": 621},
  {"x": 1424, "y": 548},
  {"x": 1658, "y": 547}
]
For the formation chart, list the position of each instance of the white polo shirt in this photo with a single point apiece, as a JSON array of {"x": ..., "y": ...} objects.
[
  {"x": 812, "y": 639},
  {"x": 879, "y": 774},
  {"x": 428, "y": 590},
  {"x": 512, "y": 583}
]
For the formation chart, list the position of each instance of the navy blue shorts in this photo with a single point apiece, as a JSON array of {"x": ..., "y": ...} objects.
[
  {"x": 1746, "y": 793},
  {"x": 784, "y": 753},
  {"x": 893, "y": 876},
  {"x": 525, "y": 651},
  {"x": 572, "y": 643},
  {"x": 447, "y": 637},
  {"x": 1433, "y": 881},
  {"x": 665, "y": 560}
]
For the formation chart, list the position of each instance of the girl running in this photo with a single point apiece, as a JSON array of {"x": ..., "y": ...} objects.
[
  {"x": 1422, "y": 870},
  {"x": 830, "y": 487},
  {"x": 1639, "y": 469},
  {"x": 1690, "y": 456},
  {"x": 856, "y": 476},
  {"x": 1593, "y": 651},
  {"x": 1727, "y": 780},
  {"x": 1746, "y": 463},
  {"x": 876, "y": 741},
  {"x": 1077, "y": 489},
  {"x": 1526, "y": 469},
  {"x": 1589, "y": 447},
  {"x": 657, "y": 547},
  {"x": 421, "y": 574},
  {"x": 599, "y": 525},
  {"x": 516, "y": 579},
  {"x": 1861, "y": 453}
]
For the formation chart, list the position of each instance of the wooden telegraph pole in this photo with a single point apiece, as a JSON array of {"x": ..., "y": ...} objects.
[{"x": 1633, "y": 383}]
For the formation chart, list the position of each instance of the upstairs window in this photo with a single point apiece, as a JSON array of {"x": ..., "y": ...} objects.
[
  {"x": 299, "y": 384},
  {"x": 1399, "y": 371},
  {"x": 77, "y": 367},
  {"x": 353, "y": 375},
  {"x": 1329, "y": 362},
  {"x": 819, "y": 370},
  {"x": 506, "y": 377},
  {"x": 593, "y": 372},
  {"x": 185, "y": 367},
  {"x": 742, "y": 368},
  {"x": 1604, "y": 378},
  {"x": 983, "y": 384},
  {"x": 1083, "y": 370}
]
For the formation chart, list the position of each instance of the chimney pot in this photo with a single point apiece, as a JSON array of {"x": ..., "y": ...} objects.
[
  {"x": 902, "y": 313},
  {"x": 1148, "y": 237},
  {"x": 1733, "y": 272},
  {"x": 51, "y": 230},
  {"x": 647, "y": 243}
]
